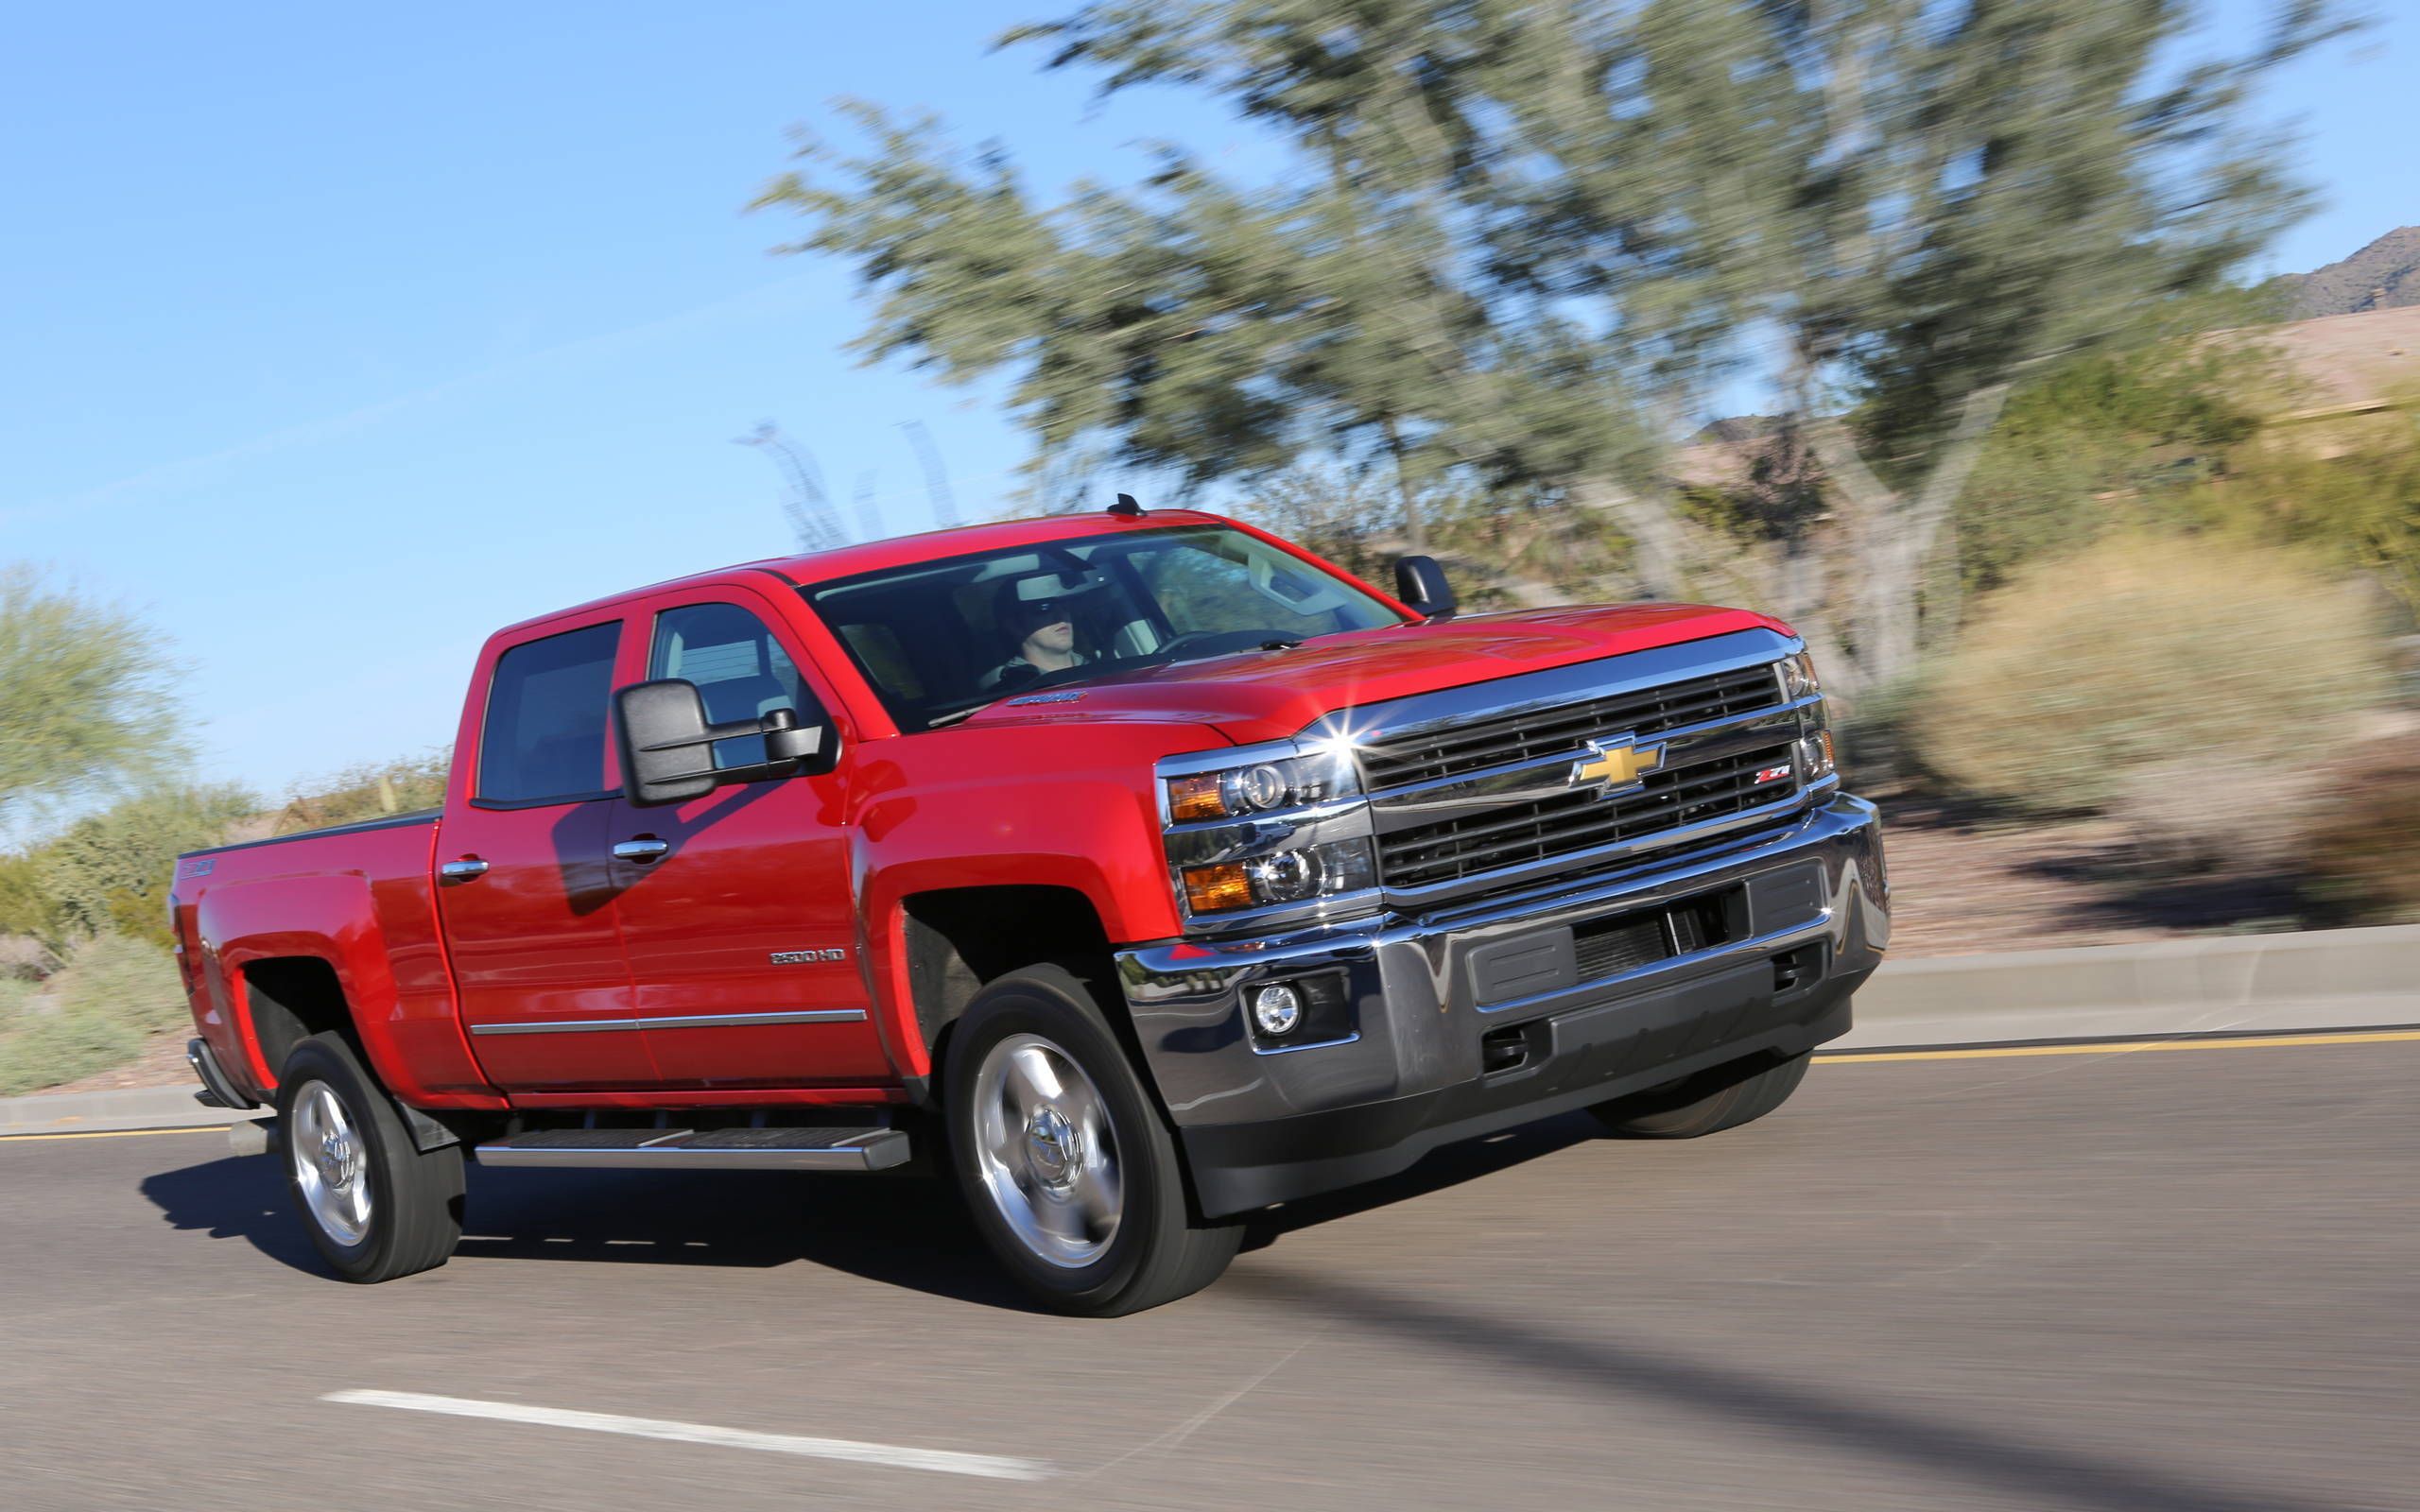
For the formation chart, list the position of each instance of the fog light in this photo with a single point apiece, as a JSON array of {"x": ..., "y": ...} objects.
[{"x": 1276, "y": 1009}]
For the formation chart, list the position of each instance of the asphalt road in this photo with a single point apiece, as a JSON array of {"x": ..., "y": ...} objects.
[{"x": 2140, "y": 1282}]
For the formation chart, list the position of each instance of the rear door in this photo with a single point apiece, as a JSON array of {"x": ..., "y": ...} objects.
[
  {"x": 545, "y": 990},
  {"x": 735, "y": 908}
]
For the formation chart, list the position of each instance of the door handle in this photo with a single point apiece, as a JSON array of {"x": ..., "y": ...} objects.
[
  {"x": 642, "y": 850},
  {"x": 469, "y": 868}
]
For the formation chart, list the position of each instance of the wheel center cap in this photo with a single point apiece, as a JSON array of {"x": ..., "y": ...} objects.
[
  {"x": 1054, "y": 1145},
  {"x": 337, "y": 1159}
]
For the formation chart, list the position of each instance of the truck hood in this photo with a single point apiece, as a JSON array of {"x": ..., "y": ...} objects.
[{"x": 1262, "y": 696}]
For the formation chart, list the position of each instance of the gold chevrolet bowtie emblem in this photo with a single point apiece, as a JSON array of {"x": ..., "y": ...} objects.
[{"x": 1615, "y": 764}]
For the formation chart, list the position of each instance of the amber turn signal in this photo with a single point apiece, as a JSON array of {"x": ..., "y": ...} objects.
[
  {"x": 1214, "y": 888},
  {"x": 1196, "y": 798}
]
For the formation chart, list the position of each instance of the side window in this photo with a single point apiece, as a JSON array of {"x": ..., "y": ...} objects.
[
  {"x": 547, "y": 709},
  {"x": 740, "y": 670}
]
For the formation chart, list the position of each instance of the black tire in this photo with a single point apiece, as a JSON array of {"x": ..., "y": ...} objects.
[
  {"x": 1707, "y": 1103},
  {"x": 413, "y": 1215},
  {"x": 1156, "y": 1250}
]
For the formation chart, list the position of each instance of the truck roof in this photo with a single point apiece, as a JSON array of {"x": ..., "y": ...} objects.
[{"x": 902, "y": 551}]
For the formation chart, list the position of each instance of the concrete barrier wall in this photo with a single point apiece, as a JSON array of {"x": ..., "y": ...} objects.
[{"x": 2342, "y": 978}]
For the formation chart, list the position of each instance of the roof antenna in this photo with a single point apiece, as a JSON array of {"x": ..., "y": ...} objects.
[{"x": 1126, "y": 508}]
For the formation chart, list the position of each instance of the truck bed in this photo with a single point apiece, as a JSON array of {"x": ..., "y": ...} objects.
[{"x": 358, "y": 901}]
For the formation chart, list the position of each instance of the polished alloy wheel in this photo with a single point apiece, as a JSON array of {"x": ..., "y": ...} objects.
[
  {"x": 329, "y": 1165},
  {"x": 1048, "y": 1154}
]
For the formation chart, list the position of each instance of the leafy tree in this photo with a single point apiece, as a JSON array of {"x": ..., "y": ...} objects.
[
  {"x": 2105, "y": 438},
  {"x": 88, "y": 692},
  {"x": 1528, "y": 237}
]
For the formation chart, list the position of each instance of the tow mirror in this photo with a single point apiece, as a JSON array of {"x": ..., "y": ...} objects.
[
  {"x": 1421, "y": 583},
  {"x": 668, "y": 743}
]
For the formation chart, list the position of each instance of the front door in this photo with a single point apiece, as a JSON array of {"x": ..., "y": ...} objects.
[
  {"x": 735, "y": 908},
  {"x": 528, "y": 906}
]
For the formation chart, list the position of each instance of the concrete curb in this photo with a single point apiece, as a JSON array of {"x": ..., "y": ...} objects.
[
  {"x": 113, "y": 1112},
  {"x": 2326, "y": 979}
]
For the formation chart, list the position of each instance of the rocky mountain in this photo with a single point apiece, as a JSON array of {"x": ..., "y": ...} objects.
[{"x": 2381, "y": 276}]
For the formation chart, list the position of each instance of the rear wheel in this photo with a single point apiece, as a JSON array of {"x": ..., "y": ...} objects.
[
  {"x": 1070, "y": 1173},
  {"x": 377, "y": 1205},
  {"x": 1707, "y": 1103}
]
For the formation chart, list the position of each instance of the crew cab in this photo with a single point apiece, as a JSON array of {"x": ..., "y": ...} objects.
[{"x": 1138, "y": 869}]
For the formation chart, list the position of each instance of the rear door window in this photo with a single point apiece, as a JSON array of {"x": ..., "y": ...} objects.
[{"x": 548, "y": 708}]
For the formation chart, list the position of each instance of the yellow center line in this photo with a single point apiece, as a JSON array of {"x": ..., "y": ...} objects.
[
  {"x": 2110, "y": 1047},
  {"x": 114, "y": 1133}
]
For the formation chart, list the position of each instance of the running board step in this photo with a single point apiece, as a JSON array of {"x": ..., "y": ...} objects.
[{"x": 716, "y": 1149}]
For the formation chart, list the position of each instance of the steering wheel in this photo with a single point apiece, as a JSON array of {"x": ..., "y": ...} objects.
[{"x": 1169, "y": 647}]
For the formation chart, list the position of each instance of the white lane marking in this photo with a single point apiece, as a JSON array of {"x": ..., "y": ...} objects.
[{"x": 947, "y": 1462}]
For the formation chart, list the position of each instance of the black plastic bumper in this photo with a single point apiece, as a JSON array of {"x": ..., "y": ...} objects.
[{"x": 1625, "y": 1046}]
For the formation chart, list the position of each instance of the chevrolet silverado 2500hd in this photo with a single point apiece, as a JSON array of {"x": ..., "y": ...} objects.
[{"x": 1140, "y": 868}]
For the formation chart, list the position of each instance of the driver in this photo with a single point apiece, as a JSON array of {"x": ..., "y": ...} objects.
[{"x": 1044, "y": 630}]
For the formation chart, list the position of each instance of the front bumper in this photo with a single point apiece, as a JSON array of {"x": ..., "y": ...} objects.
[{"x": 1440, "y": 1004}]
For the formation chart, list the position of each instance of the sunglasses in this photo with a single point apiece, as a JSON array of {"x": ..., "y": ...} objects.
[{"x": 1041, "y": 610}]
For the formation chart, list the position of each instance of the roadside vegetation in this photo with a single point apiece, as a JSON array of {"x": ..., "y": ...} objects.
[{"x": 87, "y": 982}]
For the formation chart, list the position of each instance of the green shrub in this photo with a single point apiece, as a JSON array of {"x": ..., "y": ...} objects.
[
  {"x": 2185, "y": 660},
  {"x": 367, "y": 792},
  {"x": 110, "y": 870}
]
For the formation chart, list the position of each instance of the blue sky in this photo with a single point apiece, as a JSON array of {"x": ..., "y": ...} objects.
[{"x": 338, "y": 338}]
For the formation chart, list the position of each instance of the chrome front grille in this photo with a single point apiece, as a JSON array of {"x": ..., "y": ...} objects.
[
  {"x": 1519, "y": 734},
  {"x": 1473, "y": 790},
  {"x": 1510, "y": 834}
]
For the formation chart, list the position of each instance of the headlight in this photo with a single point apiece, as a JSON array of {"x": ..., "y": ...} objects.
[
  {"x": 1815, "y": 756},
  {"x": 1275, "y": 826},
  {"x": 1295, "y": 876},
  {"x": 1259, "y": 787},
  {"x": 1798, "y": 678}
]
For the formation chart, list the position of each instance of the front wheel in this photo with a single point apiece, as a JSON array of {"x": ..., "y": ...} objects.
[
  {"x": 376, "y": 1204},
  {"x": 1707, "y": 1103},
  {"x": 1068, "y": 1167}
]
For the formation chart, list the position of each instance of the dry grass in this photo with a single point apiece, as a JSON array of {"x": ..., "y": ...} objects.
[
  {"x": 2184, "y": 685},
  {"x": 94, "y": 1013}
]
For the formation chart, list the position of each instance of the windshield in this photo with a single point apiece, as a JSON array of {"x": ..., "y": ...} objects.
[{"x": 940, "y": 640}]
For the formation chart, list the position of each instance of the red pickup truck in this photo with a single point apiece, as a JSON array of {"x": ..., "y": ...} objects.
[{"x": 1140, "y": 868}]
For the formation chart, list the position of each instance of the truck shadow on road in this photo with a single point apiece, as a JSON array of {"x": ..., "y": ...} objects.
[
  {"x": 903, "y": 1232},
  {"x": 906, "y": 1233}
]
